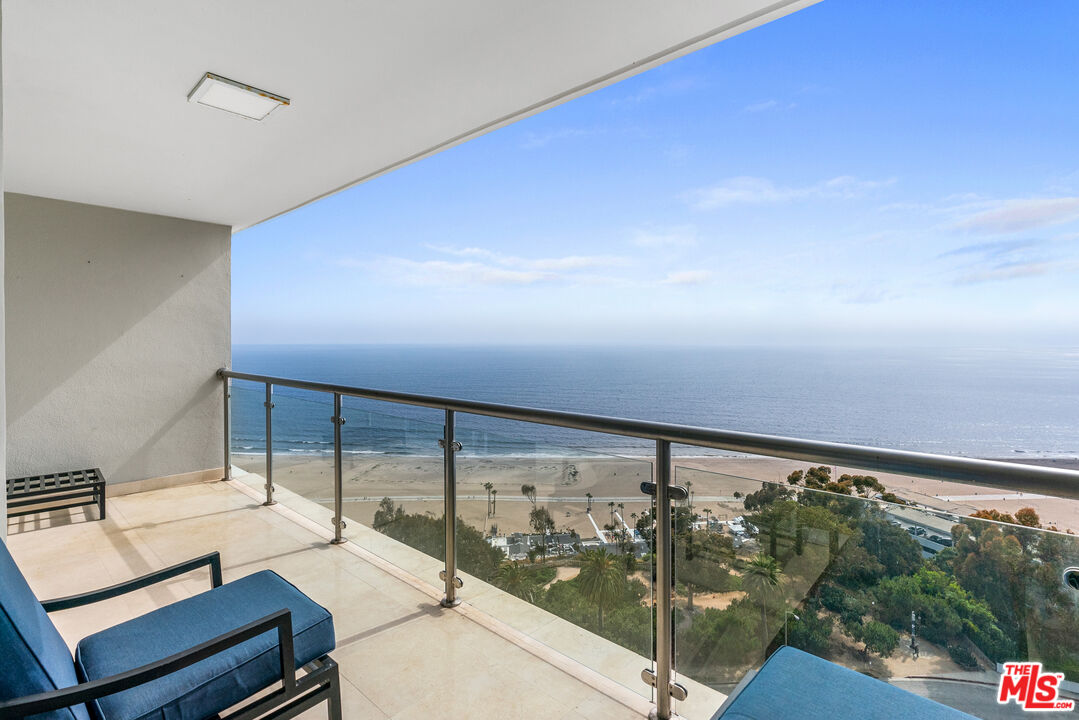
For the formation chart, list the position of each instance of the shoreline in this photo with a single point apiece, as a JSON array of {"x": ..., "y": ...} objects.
[
  {"x": 563, "y": 484},
  {"x": 1066, "y": 461}
]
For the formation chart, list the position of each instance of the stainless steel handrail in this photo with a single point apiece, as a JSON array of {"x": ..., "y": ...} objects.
[
  {"x": 992, "y": 473},
  {"x": 1013, "y": 476}
]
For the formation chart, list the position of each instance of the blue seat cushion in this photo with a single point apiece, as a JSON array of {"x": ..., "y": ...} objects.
[
  {"x": 33, "y": 657},
  {"x": 220, "y": 681},
  {"x": 795, "y": 684}
]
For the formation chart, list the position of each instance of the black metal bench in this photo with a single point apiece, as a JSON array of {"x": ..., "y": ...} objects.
[{"x": 57, "y": 491}]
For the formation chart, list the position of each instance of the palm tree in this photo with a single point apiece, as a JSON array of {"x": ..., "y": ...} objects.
[
  {"x": 621, "y": 514},
  {"x": 488, "y": 487},
  {"x": 761, "y": 578},
  {"x": 514, "y": 578},
  {"x": 494, "y": 501},
  {"x": 602, "y": 580},
  {"x": 529, "y": 491},
  {"x": 611, "y": 506},
  {"x": 589, "y": 496},
  {"x": 689, "y": 493}
]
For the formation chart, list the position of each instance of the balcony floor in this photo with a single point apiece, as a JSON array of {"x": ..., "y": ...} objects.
[{"x": 401, "y": 654}]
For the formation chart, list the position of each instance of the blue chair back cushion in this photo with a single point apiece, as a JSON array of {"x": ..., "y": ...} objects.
[
  {"x": 219, "y": 682},
  {"x": 795, "y": 684},
  {"x": 33, "y": 657}
]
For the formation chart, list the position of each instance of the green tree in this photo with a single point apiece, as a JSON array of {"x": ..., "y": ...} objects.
[
  {"x": 946, "y": 612},
  {"x": 428, "y": 534},
  {"x": 541, "y": 521},
  {"x": 718, "y": 644},
  {"x": 879, "y": 638},
  {"x": 529, "y": 491},
  {"x": 818, "y": 477},
  {"x": 767, "y": 495},
  {"x": 488, "y": 487},
  {"x": 761, "y": 579},
  {"x": 644, "y": 525},
  {"x": 812, "y": 632},
  {"x": 702, "y": 563},
  {"x": 601, "y": 580},
  {"x": 516, "y": 579},
  {"x": 386, "y": 514}
]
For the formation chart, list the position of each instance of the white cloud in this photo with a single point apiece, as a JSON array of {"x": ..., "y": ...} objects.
[
  {"x": 448, "y": 273},
  {"x": 1003, "y": 260},
  {"x": 1019, "y": 215},
  {"x": 688, "y": 277},
  {"x": 566, "y": 262},
  {"x": 759, "y": 191},
  {"x": 479, "y": 266},
  {"x": 991, "y": 250},
  {"x": 1012, "y": 271},
  {"x": 676, "y": 236}
]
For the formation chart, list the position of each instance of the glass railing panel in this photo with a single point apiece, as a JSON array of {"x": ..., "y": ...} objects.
[
  {"x": 555, "y": 543},
  {"x": 927, "y": 599},
  {"x": 393, "y": 484},
  {"x": 302, "y": 434},
  {"x": 248, "y": 427}
]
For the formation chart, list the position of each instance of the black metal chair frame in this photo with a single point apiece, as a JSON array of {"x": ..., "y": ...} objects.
[
  {"x": 320, "y": 682},
  {"x": 81, "y": 487}
]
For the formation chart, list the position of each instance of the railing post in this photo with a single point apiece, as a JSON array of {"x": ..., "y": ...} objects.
[
  {"x": 226, "y": 387},
  {"x": 338, "y": 488},
  {"x": 269, "y": 445},
  {"x": 449, "y": 463},
  {"x": 664, "y": 581}
]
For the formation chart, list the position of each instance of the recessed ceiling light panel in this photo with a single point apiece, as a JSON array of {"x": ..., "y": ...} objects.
[{"x": 235, "y": 97}]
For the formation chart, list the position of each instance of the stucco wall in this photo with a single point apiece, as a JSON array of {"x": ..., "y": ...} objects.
[{"x": 115, "y": 324}]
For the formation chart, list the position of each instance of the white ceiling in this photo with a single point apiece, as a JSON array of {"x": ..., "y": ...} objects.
[{"x": 95, "y": 91}]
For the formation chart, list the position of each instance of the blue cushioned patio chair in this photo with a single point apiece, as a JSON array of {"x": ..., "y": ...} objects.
[
  {"x": 191, "y": 660},
  {"x": 794, "y": 684}
]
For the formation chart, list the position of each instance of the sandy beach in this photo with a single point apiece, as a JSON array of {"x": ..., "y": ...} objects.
[{"x": 562, "y": 485}]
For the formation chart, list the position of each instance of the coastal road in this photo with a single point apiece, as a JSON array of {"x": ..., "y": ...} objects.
[
  {"x": 988, "y": 496},
  {"x": 977, "y": 698},
  {"x": 697, "y": 499}
]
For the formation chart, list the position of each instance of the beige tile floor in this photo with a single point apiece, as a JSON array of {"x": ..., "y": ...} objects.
[
  {"x": 401, "y": 654},
  {"x": 611, "y": 668}
]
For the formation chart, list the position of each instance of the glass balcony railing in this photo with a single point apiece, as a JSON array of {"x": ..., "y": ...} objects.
[
  {"x": 676, "y": 580},
  {"x": 557, "y": 528},
  {"x": 247, "y": 439},
  {"x": 923, "y": 598}
]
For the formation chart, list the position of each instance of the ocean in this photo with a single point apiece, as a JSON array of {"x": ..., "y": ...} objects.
[{"x": 973, "y": 402}]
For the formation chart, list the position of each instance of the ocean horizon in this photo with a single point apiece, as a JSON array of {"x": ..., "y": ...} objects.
[{"x": 974, "y": 402}]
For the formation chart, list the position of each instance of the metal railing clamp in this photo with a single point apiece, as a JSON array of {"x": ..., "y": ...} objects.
[
  {"x": 457, "y": 582},
  {"x": 676, "y": 690}
]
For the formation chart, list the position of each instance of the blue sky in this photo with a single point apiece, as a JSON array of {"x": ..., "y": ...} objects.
[{"x": 861, "y": 172}]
